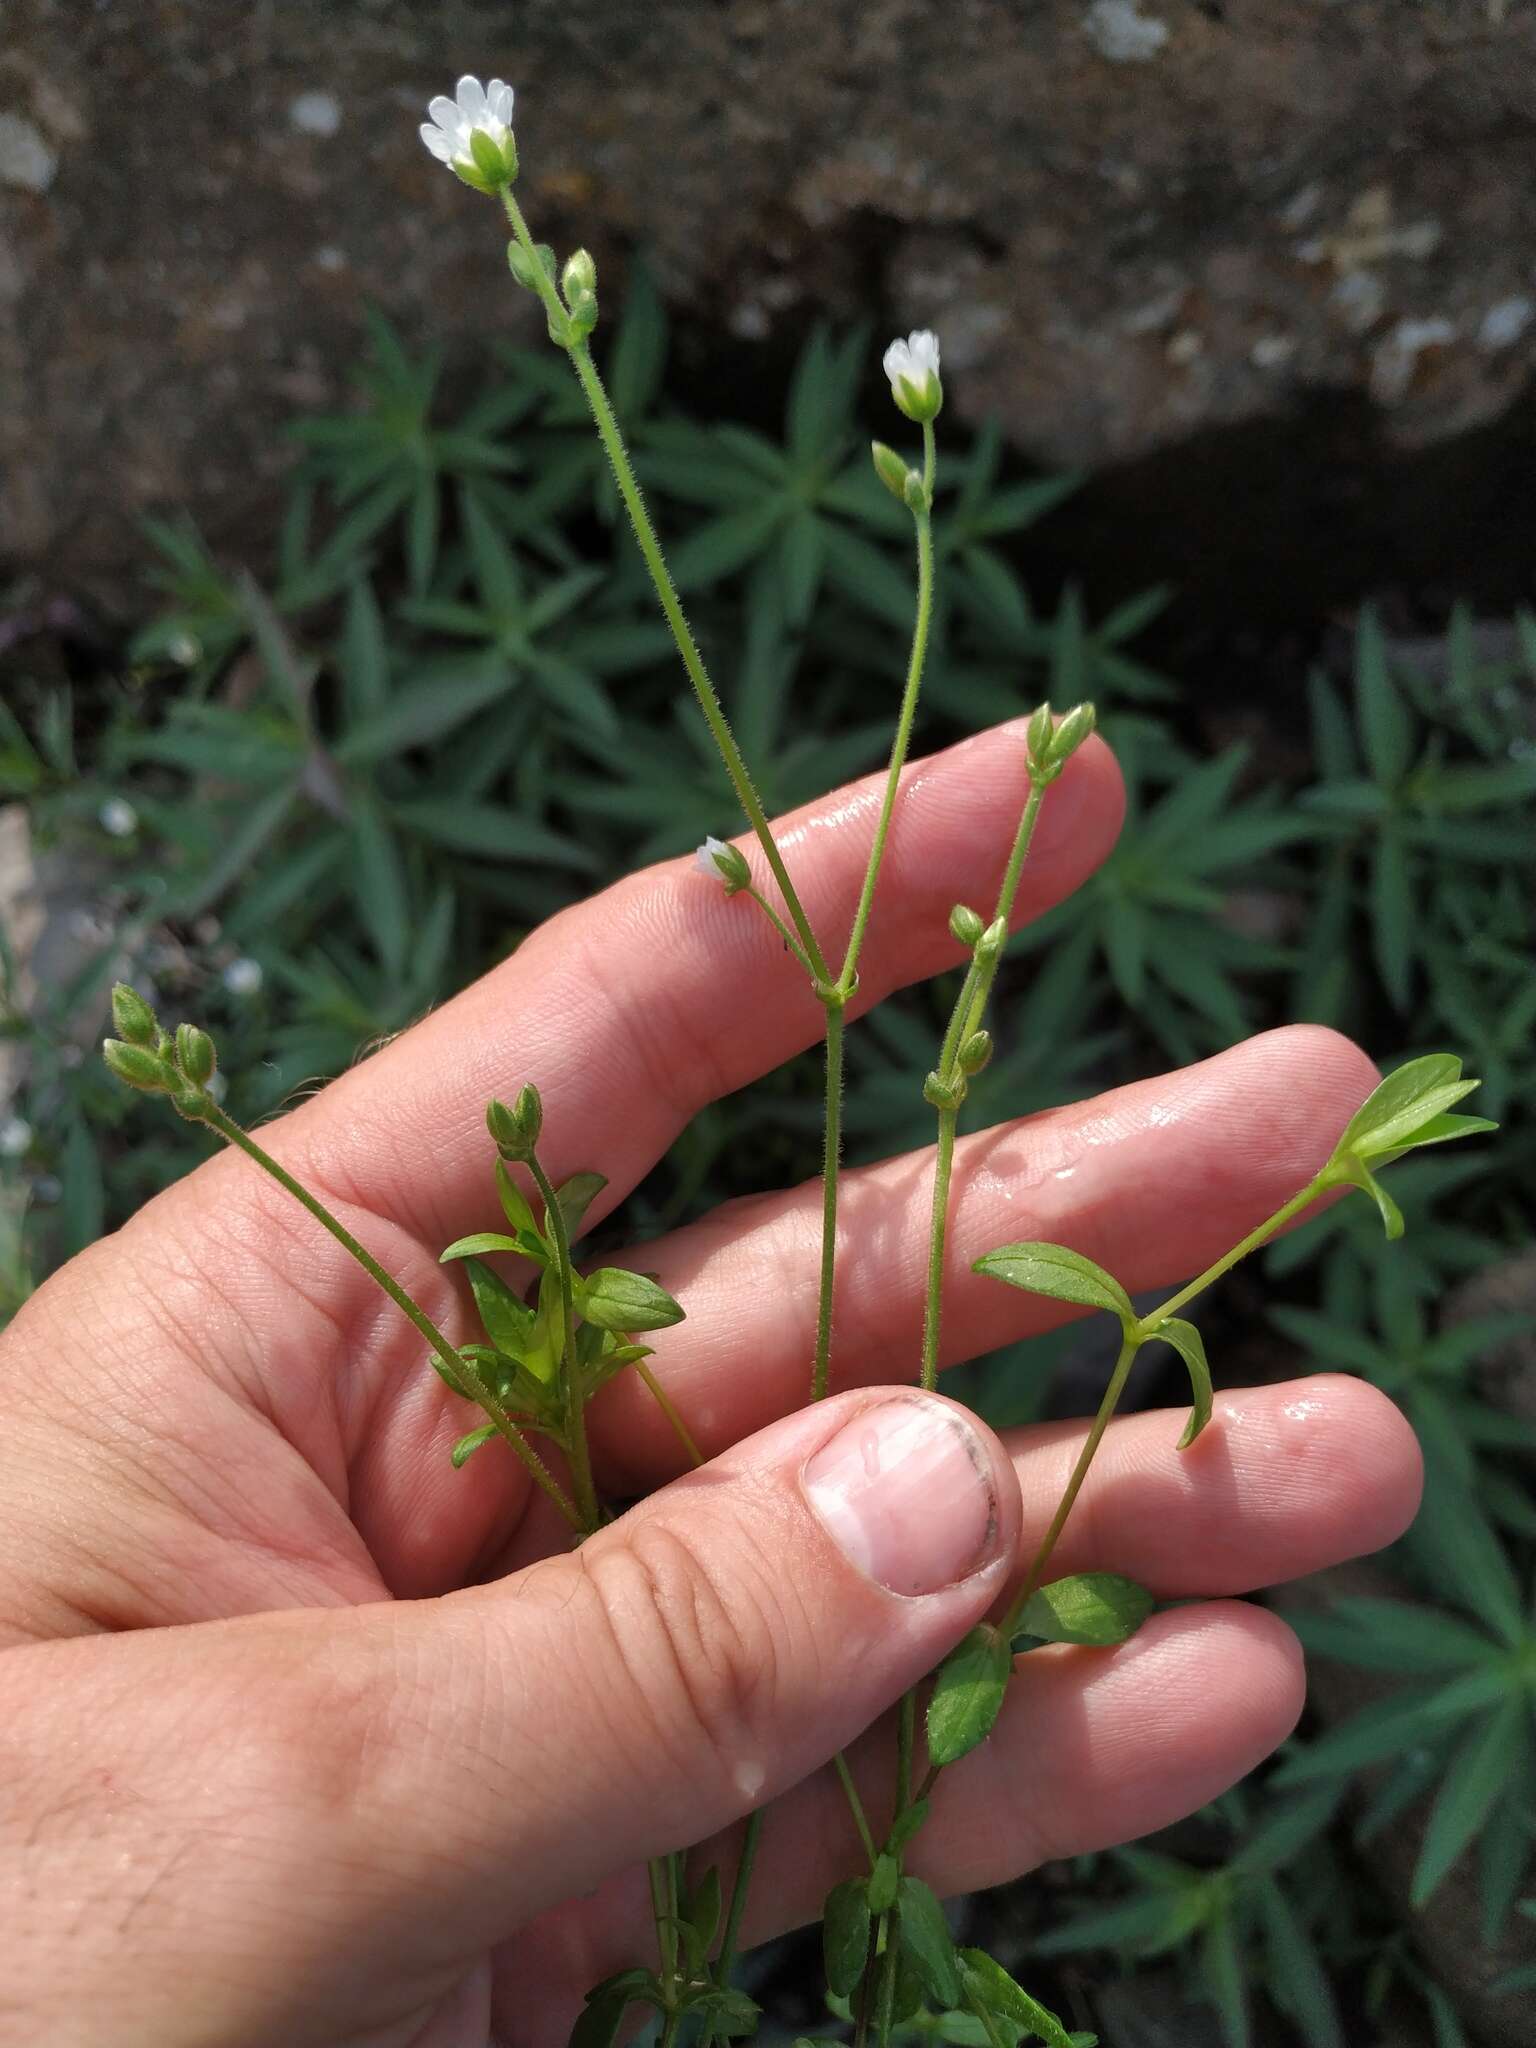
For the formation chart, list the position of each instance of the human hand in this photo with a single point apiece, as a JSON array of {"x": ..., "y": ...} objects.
[{"x": 307, "y": 1738}]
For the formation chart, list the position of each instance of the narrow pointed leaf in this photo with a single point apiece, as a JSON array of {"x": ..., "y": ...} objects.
[
  {"x": 508, "y": 1321},
  {"x": 478, "y": 1244},
  {"x": 466, "y": 1446},
  {"x": 1189, "y": 1344},
  {"x": 576, "y": 1196},
  {"x": 986, "y": 1987},
  {"x": 1064, "y": 1275},
  {"x": 1487, "y": 1762}
]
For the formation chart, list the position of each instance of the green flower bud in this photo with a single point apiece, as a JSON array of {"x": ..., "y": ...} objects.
[
  {"x": 914, "y": 493},
  {"x": 965, "y": 925},
  {"x": 516, "y": 1130},
  {"x": 995, "y": 937},
  {"x": 1070, "y": 734},
  {"x": 890, "y": 469},
  {"x": 522, "y": 268},
  {"x": 942, "y": 1094},
  {"x": 975, "y": 1052},
  {"x": 195, "y": 1054},
  {"x": 192, "y": 1103},
  {"x": 139, "y": 1067},
  {"x": 132, "y": 1018},
  {"x": 583, "y": 316},
  {"x": 1042, "y": 726},
  {"x": 579, "y": 278}
]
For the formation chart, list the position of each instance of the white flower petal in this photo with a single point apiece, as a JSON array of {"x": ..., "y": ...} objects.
[
  {"x": 470, "y": 94},
  {"x": 897, "y": 361},
  {"x": 446, "y": 115},
  {"x": 924, "y": 346},
  {"x": 437, "y": 142},
  {"x": 500, "y": 98}
]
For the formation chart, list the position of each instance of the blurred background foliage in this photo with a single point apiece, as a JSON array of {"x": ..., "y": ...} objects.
[{"x": 304, "y": 808}]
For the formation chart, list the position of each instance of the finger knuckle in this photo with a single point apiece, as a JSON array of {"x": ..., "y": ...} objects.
[{"x": 701, "y": 1662}]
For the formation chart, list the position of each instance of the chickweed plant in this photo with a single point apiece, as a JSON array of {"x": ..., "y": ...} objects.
[{"x": 546, "y": 1350}]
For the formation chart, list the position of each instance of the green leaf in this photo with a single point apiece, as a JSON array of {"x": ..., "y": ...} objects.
[
  {"x": 1410, "y": 1097},
  {"x": 479, "y": 1242},
  {"x": 1094, "y": 1608},
  {"x": 1386, "y": 724},
  {"x": 704, "y": 1908},
  {"x": 1481, "y": 1770},
  {"x": 845, "y": 1924},
  {"x": 1189, "y": 1344},
  {"x": 489, "y": 831},
  {"x": 575, "y": 1196},
  {"x": 1394, "y": 915},
  {"x": 726, "y": 2011},
  {"x": 925, "y": 1933},
  {"x": 616, "y": 1300},
  {"x": 907, "y": 1826},
  {"x": 422, "y": 712},
  {"x": 466, "y": 1446},
  {"x": 986, "y": 1987},
  {"x": 968, "y": 1695},
  {"x": 1064, "y": 1275},
  {"x": 508, "y": 1321},
  {"x": 599, "y": 2021},
  {"x": 884, "y": 1881},
  {"x": 514, "y": 1203}
]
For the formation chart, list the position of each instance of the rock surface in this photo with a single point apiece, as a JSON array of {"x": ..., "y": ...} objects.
[{"x": 1132, "y": 219}]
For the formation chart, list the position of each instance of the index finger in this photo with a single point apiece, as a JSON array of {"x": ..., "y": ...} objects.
[{"x": 633, "y": 1010}]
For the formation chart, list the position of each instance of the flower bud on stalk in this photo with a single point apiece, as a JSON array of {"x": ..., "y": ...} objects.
[
  {"x": 516, "y": 1130},
  {"x": 965, "y": 925},
  {"x": 725, "y": 862}
]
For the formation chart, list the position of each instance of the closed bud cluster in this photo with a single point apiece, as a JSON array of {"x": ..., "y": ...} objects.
[
  {"x": 516, "y": 1130},
  {"x": 155, "y": 1061},
  {"x": 1051, "y": 744},
  {"x": 965, "y": 925}
]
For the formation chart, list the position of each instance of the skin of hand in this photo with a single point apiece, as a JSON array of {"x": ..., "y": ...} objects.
[{"x": 306, "y": 1738}]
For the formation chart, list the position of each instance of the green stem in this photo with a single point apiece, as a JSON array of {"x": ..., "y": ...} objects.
[
  {"x": 663, "y": 1401},
  {"x": 938, "y": 1231},
  {"x": 1036, "y": 1574},
  {"x": 659, "y": 1872},
  {"x": 781, "y": 928},
  {"x": 458, "y": 1369},
  {"x": 666, "y": 591},
  {"x": 906, "y": 1735},
  {"x": 923, "y": 521},
  {"x": 1250, "y": 1243},
  {"x": 832, "y": 1145},
  {"x": 855, "y": 1807},
  {"x": 575, "y": 1418},
  {"x": 738, "y": 1905},
  {"x": 885, "y": 2007}
]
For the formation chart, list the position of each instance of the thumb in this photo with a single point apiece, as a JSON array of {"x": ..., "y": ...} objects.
[
  {"x": 334, "y": 1813},
  {"x": 730, "y": 1634}
]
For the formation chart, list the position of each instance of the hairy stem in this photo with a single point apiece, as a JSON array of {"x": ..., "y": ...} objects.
[
  {"x": 458, "y": 1369},
  {"x": 666, "y": 591},
  {"x": 937, "y": 1232},
  {"x": 831, "y": 1161},
  {"x": 923, "y": 521},
  {"x": 575, "y": 1417}
]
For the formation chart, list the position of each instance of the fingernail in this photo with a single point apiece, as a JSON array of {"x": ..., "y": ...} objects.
[{"x": 906, "y": 1493}]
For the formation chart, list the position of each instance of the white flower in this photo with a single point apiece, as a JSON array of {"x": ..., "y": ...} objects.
[
  {"x": 913, "y": 368},
  {"x": 243, "y": 977},
  {"x": 475, "y": 110},
  {"x": 15, "y": 1137},
  {"x": 704, "y": 859},
  {"x": 118, "y": 817}
]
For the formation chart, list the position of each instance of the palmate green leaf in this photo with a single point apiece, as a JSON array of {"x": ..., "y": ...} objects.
[
  {"x": 925, "y": 1936},
  {"x": 1481, "y": 1771},
  {"x": 986, "y": 1987},
  {"x": 616, "y": 1300},
  {"x": 1382, "y": 1732},
  {"x": 1189, "y": 1344},
  {"x": 1062, "y": 1274},
  {"x": 1393, "y": 1635},
  {"x": 419, "y": 712},
  {"x": 845, "y": 1924},
  {"x": 1093, "y": 1608},
  {"x": 968, "y": 1695}
]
